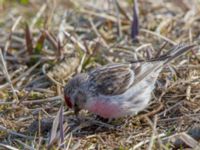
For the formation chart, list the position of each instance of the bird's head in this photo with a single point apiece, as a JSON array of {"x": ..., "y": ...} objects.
[{"x": 74, "y": 92}]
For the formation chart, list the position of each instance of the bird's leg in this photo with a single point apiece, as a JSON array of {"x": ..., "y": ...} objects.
[
  {"x": 104, "y": 119},
  {"x": 76, "y": 112}
]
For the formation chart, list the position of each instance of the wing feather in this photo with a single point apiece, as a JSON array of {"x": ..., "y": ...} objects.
[
  {"x": 115, "y": 79},
  {"x": 112, "y": 79},
  {"x": 147, "y": 69}
]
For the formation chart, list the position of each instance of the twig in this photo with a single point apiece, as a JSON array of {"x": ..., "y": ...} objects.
[
  {"x": 158, "y": 35},
  {"x": 143, "y": 46},
  {"x": 101, "y": 15},
  {"x": 123, "y": 11},
  {"x": 24, "y": 144},
  {"x": 50, "y": 77},
  {"x": 75, "y": 41},
  {"x": 153, "y": 125},
  {"x": 17, "y": 134},
  {"x": 135, "y": 21},
  {"x": 4, "y": 67},
  {"x": 97, "y": 33},
  {"x": 81, "y": 63},
  {"x": 165, "y": 111},
  {"x": 69, "y": 141},
  {"x": 8, "y": 147},
  {"x": 21, "y": 76},
  {"x": 38, "y": 15},
  {"x": 55, "y": 98},
  {"x": 149, "y": 114},
  {"x": 7, "y": 45},
  {"x": 60, "y": 35},
  {"x": 61, "y": 127},
  {"x": 147, "y": 141},
  {"x": 118, "y": 18}
]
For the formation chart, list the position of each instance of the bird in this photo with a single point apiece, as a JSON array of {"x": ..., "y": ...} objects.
[{"x": 118, "y": 89}]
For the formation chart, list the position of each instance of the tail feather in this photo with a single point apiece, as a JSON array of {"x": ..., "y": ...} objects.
[
  {"x": 178, "y": 51},
  {"x": 175, "y": 52},
  {"x": 163, "y": 60}
]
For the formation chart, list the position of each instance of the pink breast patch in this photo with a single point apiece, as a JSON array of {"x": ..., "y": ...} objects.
[{"x": 105, "y": 109}]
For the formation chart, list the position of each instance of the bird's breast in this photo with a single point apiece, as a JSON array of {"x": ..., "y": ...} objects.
[{"x": 105, "y": 109}]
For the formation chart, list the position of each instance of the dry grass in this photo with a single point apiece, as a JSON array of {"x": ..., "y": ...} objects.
[{"x": 43, "y": 44}]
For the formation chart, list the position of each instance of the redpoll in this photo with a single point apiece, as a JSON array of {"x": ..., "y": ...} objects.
[{"x": 117, "y": 90}]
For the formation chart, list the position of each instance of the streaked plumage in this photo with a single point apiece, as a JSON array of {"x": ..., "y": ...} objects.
[{"x": 117, "y": 90}]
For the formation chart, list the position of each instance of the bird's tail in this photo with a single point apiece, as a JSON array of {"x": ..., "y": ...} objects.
[{"x": 175, "y": 52}]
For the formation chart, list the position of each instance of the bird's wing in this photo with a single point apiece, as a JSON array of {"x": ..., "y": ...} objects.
[
  {"x": 112, "y": 79},
  {"x": 115, "y": 79},
  {"x": 146, "y": 70}
]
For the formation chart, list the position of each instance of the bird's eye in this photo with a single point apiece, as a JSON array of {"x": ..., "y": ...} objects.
[{"x": 68, "y": 101}]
